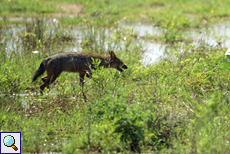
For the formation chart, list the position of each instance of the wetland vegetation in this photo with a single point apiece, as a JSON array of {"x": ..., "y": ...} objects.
[{"x": 173, "y": 98}]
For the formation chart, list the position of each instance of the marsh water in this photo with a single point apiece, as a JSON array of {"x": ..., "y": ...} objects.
[{"x": 153, "y": 51}]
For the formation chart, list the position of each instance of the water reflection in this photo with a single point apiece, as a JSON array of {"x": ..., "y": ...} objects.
[
  {"x": 153, "y": 53},
  {"x": 144, "y": 29},
  {"x": 217, "y": 34}
]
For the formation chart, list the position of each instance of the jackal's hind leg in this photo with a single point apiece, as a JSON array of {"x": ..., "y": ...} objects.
[
  {"x": 46, "y": 83},
  {"x": 48, "y": 80},
  {"x": 44, "y": 79}
]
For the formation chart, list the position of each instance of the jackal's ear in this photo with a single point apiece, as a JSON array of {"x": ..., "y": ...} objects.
[{"x": 112, "y": 54}]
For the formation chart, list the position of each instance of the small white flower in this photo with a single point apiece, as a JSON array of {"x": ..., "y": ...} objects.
[
  {"x": 35, "y": 52},
  {"x": 55, "y": 20},
  {"x": 227, "y": 52}
]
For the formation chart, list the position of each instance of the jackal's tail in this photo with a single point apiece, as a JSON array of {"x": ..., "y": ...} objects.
[{"x": 39, "y": 71}]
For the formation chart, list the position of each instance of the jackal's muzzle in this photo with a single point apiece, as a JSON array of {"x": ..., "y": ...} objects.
[{"x": 120, "y": 68}]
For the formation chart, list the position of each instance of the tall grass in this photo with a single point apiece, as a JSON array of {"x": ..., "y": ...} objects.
[{"x": 174, "y": 106}]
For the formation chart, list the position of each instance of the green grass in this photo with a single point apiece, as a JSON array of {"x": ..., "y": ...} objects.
[
  {"x": 178, "y": 105},
  {"x": 108, "y": 12}
]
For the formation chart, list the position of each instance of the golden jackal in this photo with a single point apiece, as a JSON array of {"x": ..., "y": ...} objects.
[{"x": 74, "y": 62}]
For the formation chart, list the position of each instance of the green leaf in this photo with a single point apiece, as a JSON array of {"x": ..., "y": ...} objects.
[{"x": 226, "y": 63}]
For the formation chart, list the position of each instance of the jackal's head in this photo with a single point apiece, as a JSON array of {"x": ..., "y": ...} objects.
[{"x": 116, "y": 62}]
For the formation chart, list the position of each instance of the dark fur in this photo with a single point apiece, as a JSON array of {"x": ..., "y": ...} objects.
[{"x": 74, "y": 62}]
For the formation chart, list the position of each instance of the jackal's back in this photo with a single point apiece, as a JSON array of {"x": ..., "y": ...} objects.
[{"x": 73, "y": 62}]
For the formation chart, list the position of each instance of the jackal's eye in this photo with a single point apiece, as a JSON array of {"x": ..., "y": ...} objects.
[{"x": 120, "y": 64}]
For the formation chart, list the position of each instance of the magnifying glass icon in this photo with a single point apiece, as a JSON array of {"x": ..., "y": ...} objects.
[{"x": 9, "y": 141}]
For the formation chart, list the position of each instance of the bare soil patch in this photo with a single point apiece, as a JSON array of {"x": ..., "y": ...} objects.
[{"x": 71, "y": 10}]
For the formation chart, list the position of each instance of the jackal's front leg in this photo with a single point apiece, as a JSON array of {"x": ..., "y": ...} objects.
[
  {"x": 82, "y": 75},
  {"x": 88, "y": 74}
]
